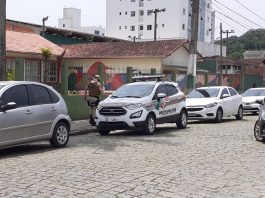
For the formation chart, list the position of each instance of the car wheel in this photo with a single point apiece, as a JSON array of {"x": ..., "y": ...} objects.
[
  {"x": 103, "y": 132},
  {"x": 150, "y": 125},
  {"x": 239, "y": 115},
  {"x": 257, "y": 132},
  {"x": 182, "y": 121},
  {"x": 60, "y": 135},
  {"x": 219, "y": 115}
]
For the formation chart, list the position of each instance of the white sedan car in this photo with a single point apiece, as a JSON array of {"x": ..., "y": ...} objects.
[
  {"x": 250, "y": 97},
  {"x": 214, "y": 103}
]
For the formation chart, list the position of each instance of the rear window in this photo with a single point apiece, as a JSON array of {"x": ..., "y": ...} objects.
[{"x": 54, "y": 97}]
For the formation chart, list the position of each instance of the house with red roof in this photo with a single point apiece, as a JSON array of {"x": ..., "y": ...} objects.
[
  {"x": 25, "y": 61},
  {"x": 169, "y": 57}
]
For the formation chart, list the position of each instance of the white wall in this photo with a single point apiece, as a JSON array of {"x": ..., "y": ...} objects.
[{"x": 71, "y": 18}]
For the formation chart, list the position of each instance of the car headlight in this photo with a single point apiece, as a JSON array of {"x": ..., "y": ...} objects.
[
  {"x": 136, "y": 115},
  {"x": 210, "y": 105},
  {"x": 133, "y": 106}
]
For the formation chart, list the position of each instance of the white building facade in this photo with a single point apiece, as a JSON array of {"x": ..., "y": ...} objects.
[
  {"x": 72, "y": 21},
  {"x": 128, "y": 19}
]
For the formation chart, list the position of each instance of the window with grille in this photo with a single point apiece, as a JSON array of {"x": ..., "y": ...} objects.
[
  {"x": 32, "y": 70},
  {"x": 52, "y": 71}
]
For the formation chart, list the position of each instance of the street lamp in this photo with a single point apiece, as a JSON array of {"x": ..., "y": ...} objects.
[
  {"x": 43, "y": 25},
  {"x": 155, "y": 11}
]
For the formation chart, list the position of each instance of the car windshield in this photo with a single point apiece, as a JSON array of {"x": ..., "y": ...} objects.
[
  {"x": 254, "y": 92},
  {"x": 204, "y": 93},
  {"x": 133, "y": 91}
]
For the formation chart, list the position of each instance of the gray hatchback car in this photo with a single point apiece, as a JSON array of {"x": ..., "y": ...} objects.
[{"x": 30, "y": 112}]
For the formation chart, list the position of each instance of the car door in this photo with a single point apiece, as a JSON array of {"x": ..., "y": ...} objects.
[
  {"x": 43, "y": 110},
  {"x": 174, "y": 105},
  {"x": 15, "y": 124},
  {"x": 235, "y": 100},
  {"x": 226, "y": 102},
  {"x": 162, "y": 106}
]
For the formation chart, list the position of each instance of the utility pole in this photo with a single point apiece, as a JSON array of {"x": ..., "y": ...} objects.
[
  {"x": 2, "y": 39},
  {"x": 192, "y": 65},
  {"x": 155, "y": 11},
  {"x": 227, "y": 32},
  {"x": 220, "y": 66}
]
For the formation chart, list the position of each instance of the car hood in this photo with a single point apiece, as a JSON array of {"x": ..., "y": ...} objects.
[
  {"x": 252, "y": 99},
  {"x": 120, "y": 101},
  {"x": 199, "y": 101}
]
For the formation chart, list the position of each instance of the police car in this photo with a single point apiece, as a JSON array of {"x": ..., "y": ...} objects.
[{"x": 147, "y": 101}]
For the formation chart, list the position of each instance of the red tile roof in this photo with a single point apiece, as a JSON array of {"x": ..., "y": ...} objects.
[
  {"x": 29, "y": 43},
  {"x": 123, "y": 49}
]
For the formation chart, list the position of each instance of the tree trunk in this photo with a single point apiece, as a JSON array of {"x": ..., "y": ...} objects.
[{"x": 2, "y": 39}]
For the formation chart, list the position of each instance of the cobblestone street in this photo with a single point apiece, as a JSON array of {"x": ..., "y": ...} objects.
[{"x": 204, "y": 160}]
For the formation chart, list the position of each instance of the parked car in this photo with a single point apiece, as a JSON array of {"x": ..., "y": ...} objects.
[
  {"x": 259, "y": 127},
  {"x": 30, "y": 112},
  {"x": 214, "y": 103},
  {"x": 142, "y": 105},
  {"x": 250, "y": 97}
]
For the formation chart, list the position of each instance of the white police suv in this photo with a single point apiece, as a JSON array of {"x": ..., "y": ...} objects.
[{"x": 141, "y": 105}]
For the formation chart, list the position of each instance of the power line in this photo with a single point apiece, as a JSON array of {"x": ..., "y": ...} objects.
[
  {"x": 227, "y": 16},
  {"x": 249, "y": 10},
  {"x": 221, "y": 12},
  {"x": 237, "y": 29},
  {"x": 239, "y": 14}
]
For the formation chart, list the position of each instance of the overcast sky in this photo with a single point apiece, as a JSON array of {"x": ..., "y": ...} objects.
[{"x": 93, "y": 12}]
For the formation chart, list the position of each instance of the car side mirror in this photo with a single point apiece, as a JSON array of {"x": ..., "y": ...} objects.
[
  {"x": 260, "y": 101},
  {"x": 8, "y": 106},
  {"x": 225, "y": 96},
  {"x": 160, "y": 96}
]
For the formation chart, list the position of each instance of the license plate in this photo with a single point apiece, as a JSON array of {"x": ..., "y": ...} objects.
[
  {"x": 247, "y": 107},
  {"x": 111, "y": 119},
  {"x": 192, "y": 114}
]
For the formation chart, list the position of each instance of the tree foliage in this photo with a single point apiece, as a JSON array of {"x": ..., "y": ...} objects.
[{"x": 251, "y": 40}]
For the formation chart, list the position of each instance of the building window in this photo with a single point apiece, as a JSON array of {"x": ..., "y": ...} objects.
[
  {"x": 141, "y": 12},
  {"x": 32, "y": 70},
  {"x": 10, "y": 68},
  {"x": 149, "y": 27},
  {"x": 141, "y": 27},
  {"x": 163, "y": 25},
  {"x": 120, "y": 27},
  {"x": 126, "y": 13},
  {"x": 149, "y": 12},
  {"x": 63, "y": 25},
  {"x": 132, "y": 28},
  {"x": 184, "y": 11},
  {"x": 132, "y": 0},
  {"x": 132, "y": 13},
  {"x": 52, "y": 71},
  {"x": 125, "y": 27},
  {"x": 97, "y": 32},
  {"x": 183, "y": 26},
  {"x": 120, "y": 13}
]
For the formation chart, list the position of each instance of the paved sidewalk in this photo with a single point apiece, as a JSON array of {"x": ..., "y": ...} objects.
[{"x": 81, "y": 127}]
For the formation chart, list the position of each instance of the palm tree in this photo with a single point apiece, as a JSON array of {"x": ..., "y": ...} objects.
[
  {"x": 46, "y": 53},
  {"x": 2, "y": 39}
]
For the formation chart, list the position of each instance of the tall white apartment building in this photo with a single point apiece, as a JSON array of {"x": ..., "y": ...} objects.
[{"x": 128, "y": 19}]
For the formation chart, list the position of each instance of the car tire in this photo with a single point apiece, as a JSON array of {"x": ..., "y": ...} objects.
[
  {"x": 182, "y": 121},
  {"x": 239, "y": 115},
  {"x": 257, "y": 133},
  {"x": 60, "y": 135},
  {"x": 219, "y": 115},
  {"x": 103, "y": 132},
  {"x": 150, "y": 125}
]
